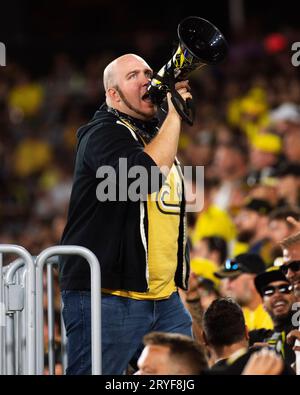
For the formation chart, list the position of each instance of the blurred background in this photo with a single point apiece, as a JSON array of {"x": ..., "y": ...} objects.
[{"x": 247, "y": 129}]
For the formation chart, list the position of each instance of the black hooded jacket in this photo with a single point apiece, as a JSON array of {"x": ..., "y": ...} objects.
[{"x": 116, "y": 231}]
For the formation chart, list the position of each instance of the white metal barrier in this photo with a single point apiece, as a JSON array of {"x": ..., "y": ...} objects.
[
  {"x": 14, "y": 302},
  {"x": 95, "y": 302},
  {"x": 29, "y": 306},
  {"x": 22, "y": 311}
]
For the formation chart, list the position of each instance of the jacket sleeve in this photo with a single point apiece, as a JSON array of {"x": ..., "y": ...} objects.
[{"x": 114, "y": 145}]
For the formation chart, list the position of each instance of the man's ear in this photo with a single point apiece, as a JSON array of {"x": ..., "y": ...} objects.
[{"x": 113, "y": 95}]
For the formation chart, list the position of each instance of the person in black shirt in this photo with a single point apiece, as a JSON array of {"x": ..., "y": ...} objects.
[
  {"x": 140, "y": 243},
  {"x": 224, "y": 331}
]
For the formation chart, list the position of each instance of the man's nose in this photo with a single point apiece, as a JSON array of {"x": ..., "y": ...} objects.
[{"x": 146, "y": 80}]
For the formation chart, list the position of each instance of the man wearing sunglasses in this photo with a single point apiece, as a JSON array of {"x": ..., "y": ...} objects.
[
  {"x": 291, "y": 269},
  {"x": 278, "y": 298},
  {"x": 291, "y": 258}
]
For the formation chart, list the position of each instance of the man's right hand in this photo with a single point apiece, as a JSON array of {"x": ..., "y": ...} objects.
[
  {"x": 183, "y": 89},
  {"x": 294, "y": 222},
  {"x": 163, "y": 148}
]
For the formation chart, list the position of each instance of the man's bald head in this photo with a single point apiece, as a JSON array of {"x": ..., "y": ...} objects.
[
  {"x": 111, "y": 70},
  {"x": 108, "y": 75}
]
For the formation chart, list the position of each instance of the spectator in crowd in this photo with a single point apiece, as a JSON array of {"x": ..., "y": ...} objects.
[
  {"x": 280, "y": 228},
  {"x": 224, "y": 331},
  {"x": 252, "y": 112},
  {"x": 208, "y": 291},
  {"x": 288, "y": 185},
  {"x": 200, "y": 150},
  {"x": 213, "y": 248},
  {"x": 201, "y": 292},
  {"x": 238, "y": 276},
  {"x": 171, "y": 354},
  {"x": 230, "y": 166},
  {"x": 286, "y": 118},
  {"x": 291, "y": 145},
  {"x": 32, "y": 155},
  {"x": 212, "y": 220},
  {"x": 26, "y": 96},
  {"x": 291, "y": 261},
  {"x": 226, "y": 337},
  {"x": 264, "y": 190},
  {"x": 252, "y": 229},
  {"x": 291, "y": 269},
  {"x": 278, "y": 299},
  {"x": 264, "y": 156}
]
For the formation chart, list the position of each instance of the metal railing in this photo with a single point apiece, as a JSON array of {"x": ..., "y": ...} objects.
[
  {"x": 30, "y": 297},
  {"x": 14, "y": 301},
  {"x": 22, "y": 310},
  {"x": 95, "y": 302}
]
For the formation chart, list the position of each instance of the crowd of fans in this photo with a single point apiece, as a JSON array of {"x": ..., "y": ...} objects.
[{"x": 246, "y": 135}]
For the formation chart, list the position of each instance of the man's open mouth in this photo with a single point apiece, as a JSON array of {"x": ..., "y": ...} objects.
[
  {"x": 280, "y": 303},
  {"x": 146, "y": 97}
]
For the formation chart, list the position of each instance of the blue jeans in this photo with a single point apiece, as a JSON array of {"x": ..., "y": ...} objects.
[{"x": 124, "y": 323}]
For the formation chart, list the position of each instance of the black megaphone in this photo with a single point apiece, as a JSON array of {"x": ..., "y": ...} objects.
[{"x": 200, "y": 43}]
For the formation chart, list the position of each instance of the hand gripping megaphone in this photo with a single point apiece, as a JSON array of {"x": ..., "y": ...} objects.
[{"x": 200, "y": 44}]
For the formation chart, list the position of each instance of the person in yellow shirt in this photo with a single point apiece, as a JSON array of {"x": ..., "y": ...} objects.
[
  {"x": 238, "y": 276},
  {"x": 250, "y": 112},
  {"x": 212, "y": 220},
  {"x": 26, "y": 97},
  {"x": 31, "y": 156}
]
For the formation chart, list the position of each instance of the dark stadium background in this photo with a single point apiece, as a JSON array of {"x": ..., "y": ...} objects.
[{"x": 34, "y": 30}]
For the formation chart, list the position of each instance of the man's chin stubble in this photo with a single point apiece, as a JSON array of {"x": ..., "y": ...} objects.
[{"x": 132, "y": 108}]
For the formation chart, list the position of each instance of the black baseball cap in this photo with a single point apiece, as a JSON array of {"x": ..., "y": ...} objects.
[
  {"x": 243, "y": 263},
  {"x": 267, "y": 277},
  {"x": 261, "y": 206}
]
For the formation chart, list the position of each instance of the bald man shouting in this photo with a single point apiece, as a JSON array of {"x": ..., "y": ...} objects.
[{"x": 127, "y": 206}]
